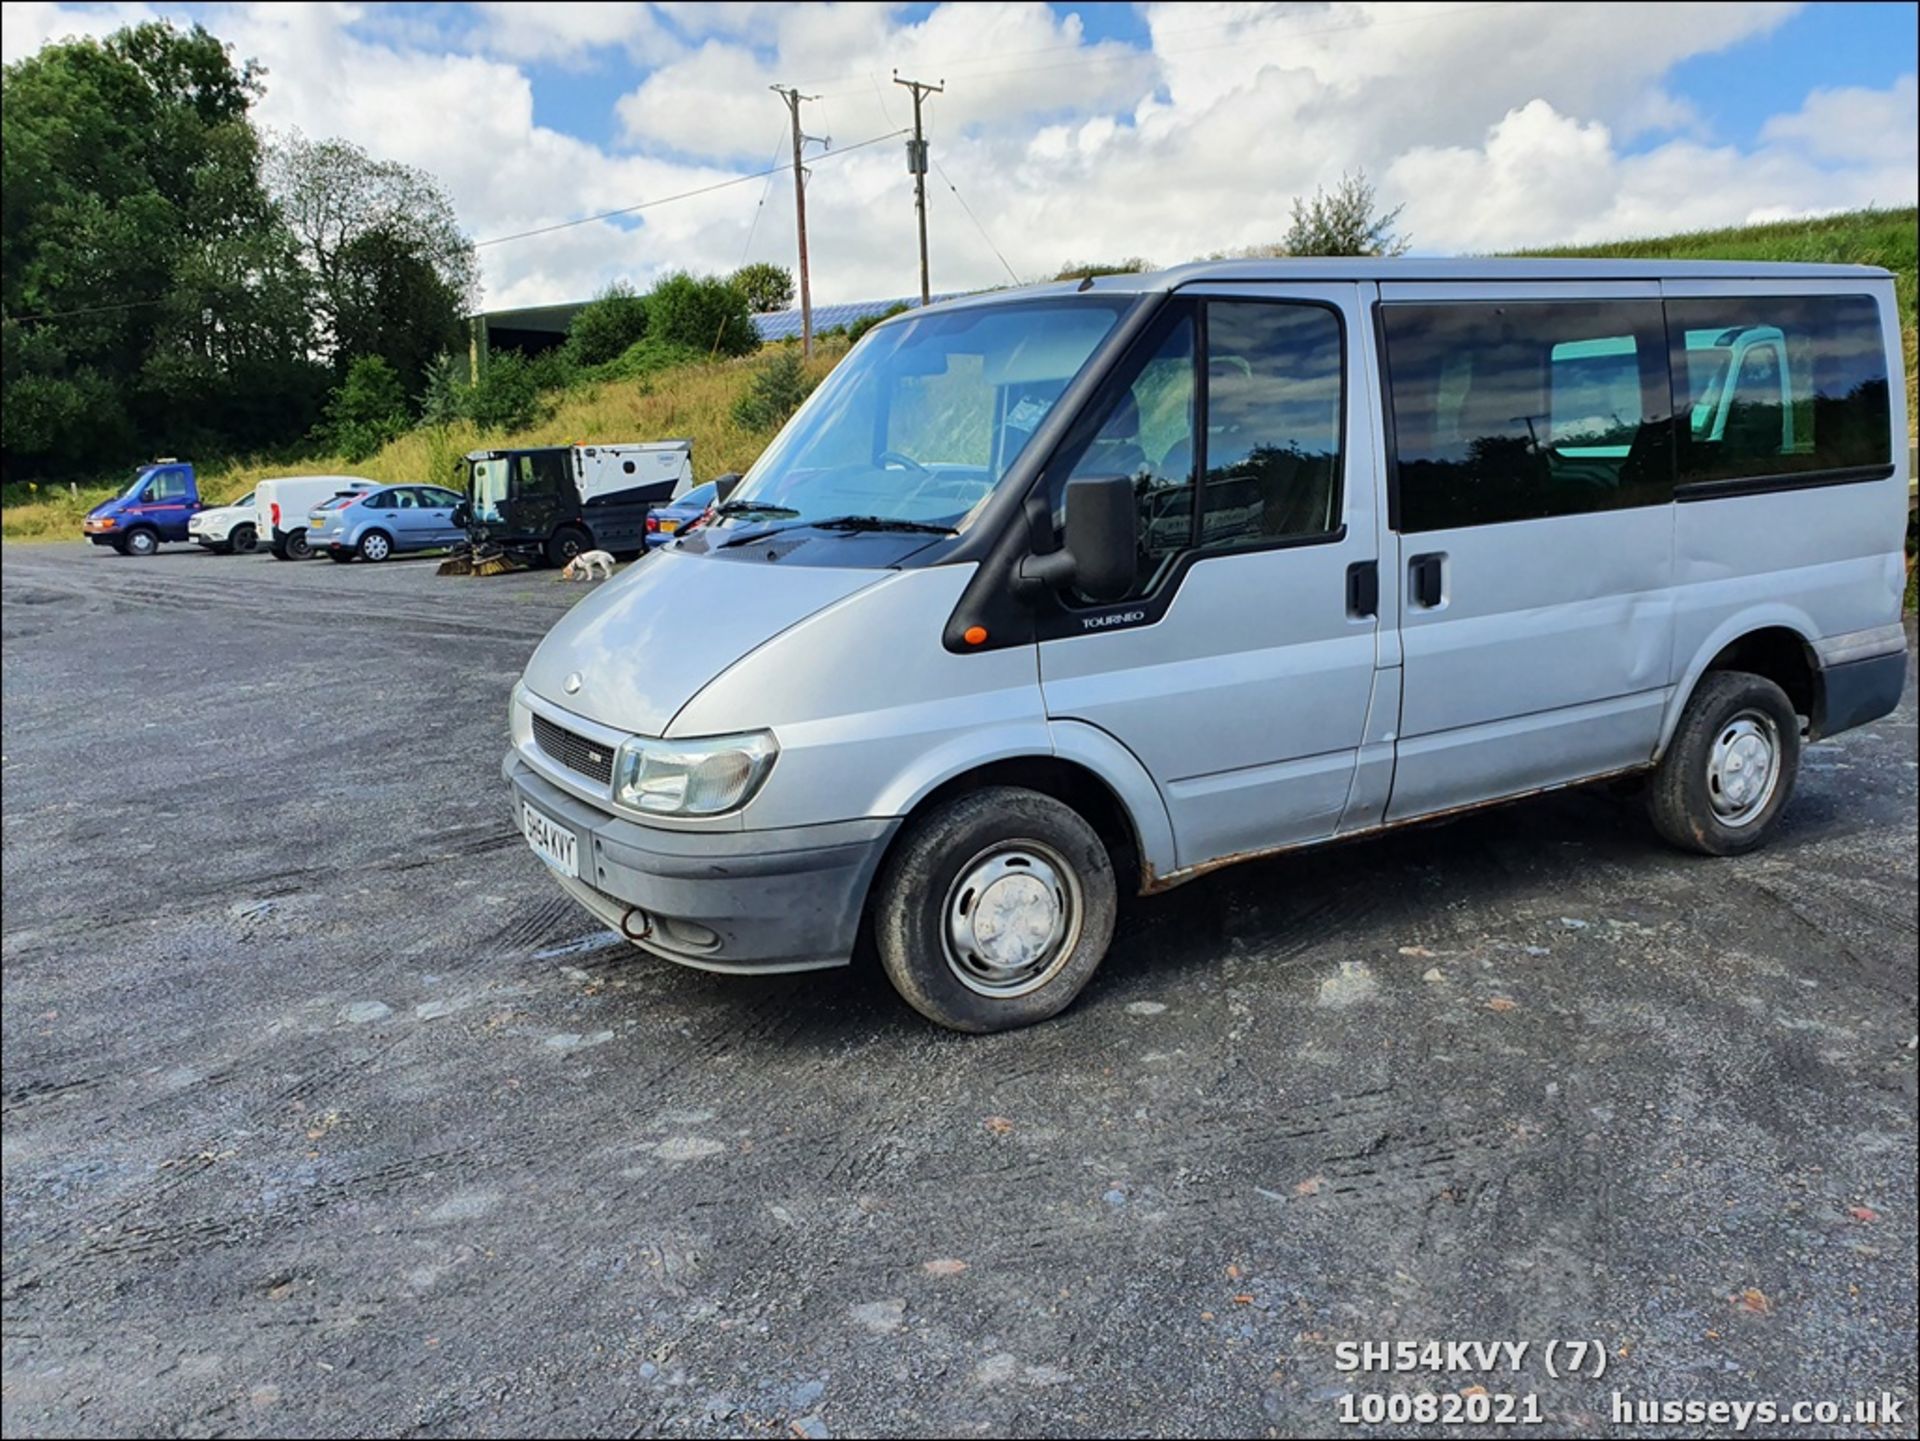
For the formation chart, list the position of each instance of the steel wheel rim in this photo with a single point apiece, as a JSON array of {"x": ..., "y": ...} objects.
[
  {"x": 1011, "y": 919},
  {"x": 1743, "y": 768},
  {"x": 374, "y": 547},
  {"x": 142, "y": 543}
]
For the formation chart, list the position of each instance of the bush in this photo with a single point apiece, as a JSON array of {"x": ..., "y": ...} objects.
[
  {"x": 646, "y": 357},
  {"x": 866, "y": 322},
  {"x": 708, "y": 317},
  {"x": 776, "y": 392},
  {"x": 507, "y": 394},
  {"x": 607, "y": 325},
  {"x": 366, "y": 410}
]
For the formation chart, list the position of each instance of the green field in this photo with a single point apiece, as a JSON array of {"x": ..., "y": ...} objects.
[{"x": 696, "y": 401}]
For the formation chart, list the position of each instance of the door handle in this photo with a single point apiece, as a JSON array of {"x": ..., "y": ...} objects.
[
  {"x": 1363, "y": 589},
  {"x": 1426, "y": 579}
]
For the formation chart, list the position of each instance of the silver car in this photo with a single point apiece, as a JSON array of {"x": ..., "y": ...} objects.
[{"x": 1049, "y": 594}]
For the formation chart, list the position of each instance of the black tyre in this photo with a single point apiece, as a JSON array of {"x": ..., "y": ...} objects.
[
  {"x": 292, "y": 546},
  {"x": 565, "y": 543},
  {"x": 242, "y": 540},
  {"x": 1729, "y": 770},
  {"x": 994, "y": 909},
  {"x": 375, "y": 546},
  {"x": 139, "y": 541},
  {"x": 340, "y": 557}
]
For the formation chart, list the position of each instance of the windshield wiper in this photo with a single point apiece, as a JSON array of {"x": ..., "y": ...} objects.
[
  {"x": 857, "y": 523},
  {"x": 753, "y": 507},
  {"x": 881, "y": 522}
]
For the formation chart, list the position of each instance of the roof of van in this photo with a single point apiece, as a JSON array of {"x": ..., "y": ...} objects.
[{"x": 1411, "y": 268}]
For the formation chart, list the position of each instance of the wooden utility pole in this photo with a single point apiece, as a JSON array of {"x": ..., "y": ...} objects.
[
  {"x": 917, "y": 166},
  {"x": 793, "y": 98}
]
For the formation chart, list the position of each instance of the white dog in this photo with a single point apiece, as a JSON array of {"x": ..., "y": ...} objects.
[{"x": 583, "y": 566}]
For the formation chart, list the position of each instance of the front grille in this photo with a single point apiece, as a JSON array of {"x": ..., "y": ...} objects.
[{"x": 575, "y": 752}]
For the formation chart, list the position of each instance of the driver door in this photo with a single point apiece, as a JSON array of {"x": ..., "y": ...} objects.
[{"x": 1241, "y": 669}]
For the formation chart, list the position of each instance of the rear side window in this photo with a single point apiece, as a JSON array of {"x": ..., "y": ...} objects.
[
  {"x": 1770, "y": 386},
  {"x": 1518, "y": 410}
]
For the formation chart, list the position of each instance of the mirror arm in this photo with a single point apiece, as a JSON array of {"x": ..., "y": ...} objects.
[{"x": 1054, "y": 570}]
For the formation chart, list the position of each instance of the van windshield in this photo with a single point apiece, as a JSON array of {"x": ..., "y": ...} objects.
[
  {"x": 489, "y": 487},
  {"x": 923, "y": 419}
]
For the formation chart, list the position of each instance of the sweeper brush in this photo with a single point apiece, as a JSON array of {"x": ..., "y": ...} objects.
[{"x": 478, "y": 560}]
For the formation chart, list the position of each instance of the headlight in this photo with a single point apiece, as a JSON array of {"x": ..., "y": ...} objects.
[{"x": 692, "y": 778}]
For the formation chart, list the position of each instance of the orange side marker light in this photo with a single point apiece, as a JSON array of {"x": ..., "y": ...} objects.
[{"x": 975, "y": 635}]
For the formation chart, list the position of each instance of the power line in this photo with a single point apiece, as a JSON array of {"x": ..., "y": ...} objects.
[
  {"x": 683, "y": 195},
  {"x": 976, "y": 222}
]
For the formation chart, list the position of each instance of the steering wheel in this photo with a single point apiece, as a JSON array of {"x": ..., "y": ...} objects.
[{"x": 905, "y": 461}]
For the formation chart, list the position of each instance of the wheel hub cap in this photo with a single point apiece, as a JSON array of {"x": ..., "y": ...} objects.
[
  {"x": 1744, "y": 768},
  {"x": 1012, "y": 917}
]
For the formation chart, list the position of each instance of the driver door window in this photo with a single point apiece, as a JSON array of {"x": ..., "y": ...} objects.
[{"x": 1147, "y": 436}]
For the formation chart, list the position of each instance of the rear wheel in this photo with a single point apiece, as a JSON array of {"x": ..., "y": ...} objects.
[
  {"x": 242, "y": 540},
  {"x": 994, "y": 910},
  {"x": 140, "y": 541},
  {"x": 375, "y": 545},
  {"x": 565, "y": 543},
  {"x": 1729, "y": 770},
  {"x": 293, "y": 546}
]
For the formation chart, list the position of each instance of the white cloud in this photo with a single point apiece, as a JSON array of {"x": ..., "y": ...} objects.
[
  {"x": 1853, "y": 124},
  {"x": 1497, "y": 125}
]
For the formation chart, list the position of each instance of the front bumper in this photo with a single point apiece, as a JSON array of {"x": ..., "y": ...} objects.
[{"x": 748, "y": 901}]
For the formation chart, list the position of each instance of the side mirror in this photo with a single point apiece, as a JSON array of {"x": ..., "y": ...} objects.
[
  {"x": 1099, "y": 556},
  {"x": 462, "y": 513},
  {"x": 724, "y": 486}
]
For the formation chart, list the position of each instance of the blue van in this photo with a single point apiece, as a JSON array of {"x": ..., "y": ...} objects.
[{"x": 163, "y": 497}]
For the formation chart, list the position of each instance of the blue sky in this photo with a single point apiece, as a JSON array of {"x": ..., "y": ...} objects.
[{"x": 1076, "y": 132}]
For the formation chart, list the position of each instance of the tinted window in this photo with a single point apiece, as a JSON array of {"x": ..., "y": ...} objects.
[
  {"x": 1273, "y": 424},
  {"x": 385, "y": 500},
  {"x": 1775, "y": 385},
  {"x": 544, "y": 473},
  {"x": 1506, "y": 411}
]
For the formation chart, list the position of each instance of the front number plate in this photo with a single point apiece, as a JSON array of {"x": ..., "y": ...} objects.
[{"x": 551, "y": 841}]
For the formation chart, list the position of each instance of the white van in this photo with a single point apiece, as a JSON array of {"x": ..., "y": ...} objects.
[
  {"x": 1054, "y": 592},
  {"x": 281, "y": 508}
]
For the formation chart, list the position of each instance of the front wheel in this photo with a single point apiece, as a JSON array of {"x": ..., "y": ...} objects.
[
  {"x": 565, "y": 543},
  {"x": 994, "y": 910},
  {"x": 242, "y": 540},
  {"x": 140, "y": 542},
  {"x": 1729, "y": 770}
]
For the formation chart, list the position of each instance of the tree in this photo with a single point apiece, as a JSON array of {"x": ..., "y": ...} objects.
[
  {"x": 606, "y": 325},
  {"x": 506, "y": 395},
  {"x": 150, "y": 292},
  {"x": 709, "y": 316},
  {"x": 777, "y": 389},
  {"x": 768, "y": 287},
  {"x": 393, "y": 273},
  {"x": 367, "y": 409},
  {"x": 1343, "y": 223}
]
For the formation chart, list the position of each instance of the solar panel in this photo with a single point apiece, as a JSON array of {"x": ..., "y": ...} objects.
[{"x": 785, "y": 324}]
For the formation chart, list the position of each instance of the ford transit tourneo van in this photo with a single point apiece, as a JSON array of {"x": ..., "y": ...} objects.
[{"x": 1049, "y": 594}]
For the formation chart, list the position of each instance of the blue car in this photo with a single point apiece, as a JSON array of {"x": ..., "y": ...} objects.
[
  {"x": 664, "y": 522},
  {"x": 386, "y": 521}
]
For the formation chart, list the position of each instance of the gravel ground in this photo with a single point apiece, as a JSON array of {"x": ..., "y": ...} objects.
[{"x": 325, "y": 1112}]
